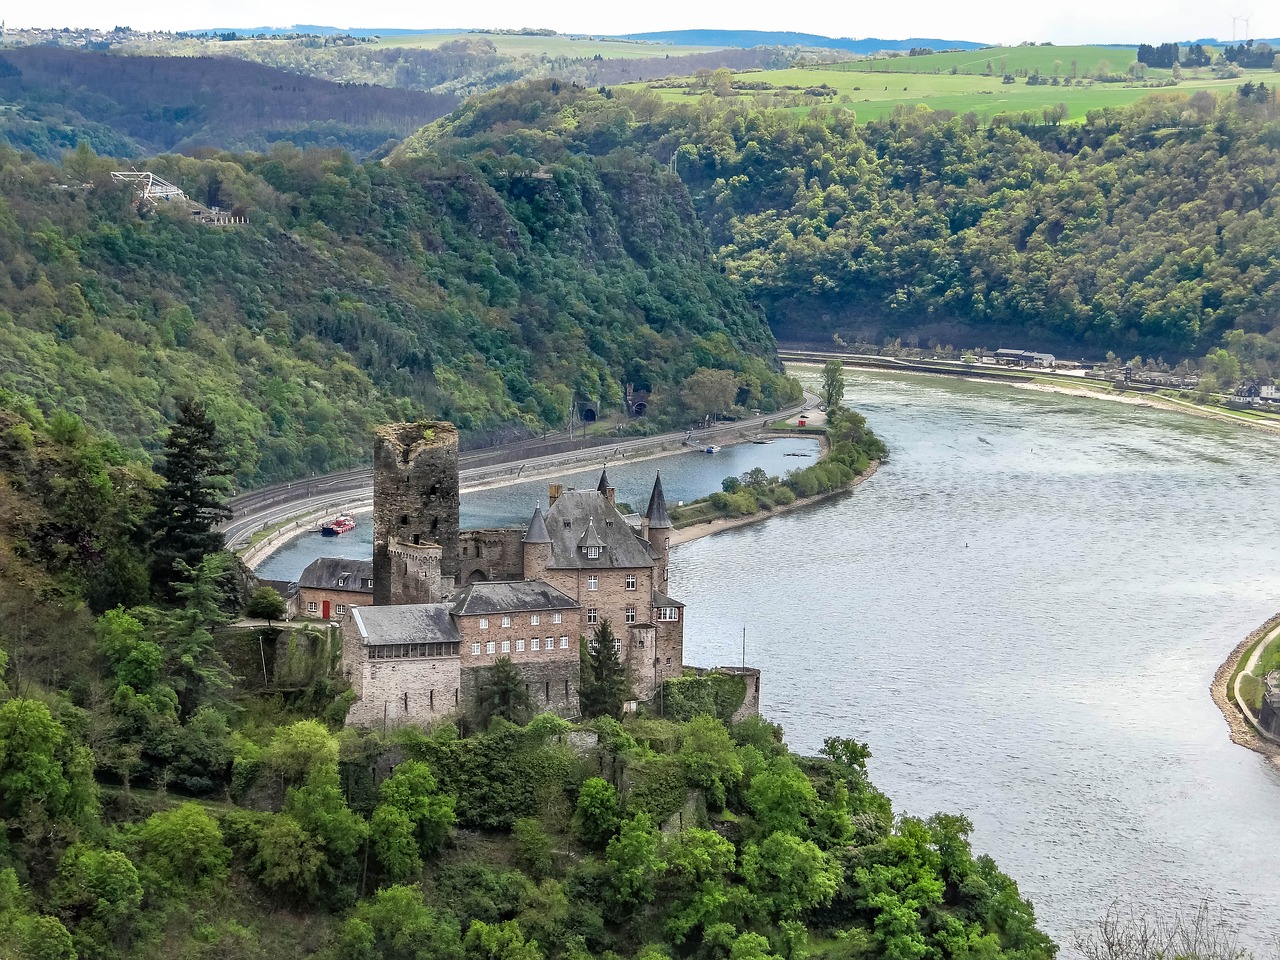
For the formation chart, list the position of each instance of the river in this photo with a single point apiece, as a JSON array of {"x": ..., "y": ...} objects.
[{"x": 1021, "y": 614}]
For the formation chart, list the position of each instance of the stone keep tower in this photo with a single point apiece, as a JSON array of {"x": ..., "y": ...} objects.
[{"x": 415, "y": 504}]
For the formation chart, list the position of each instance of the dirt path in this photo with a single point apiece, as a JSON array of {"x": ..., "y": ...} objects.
[{"x": 1242, "y": 731}]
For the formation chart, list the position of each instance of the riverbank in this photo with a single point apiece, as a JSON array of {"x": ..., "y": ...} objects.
[
  {"x": 697, "y": 531},
  {"x": 1027, "y": 379},
  {"x": 1242, "y": 731}
]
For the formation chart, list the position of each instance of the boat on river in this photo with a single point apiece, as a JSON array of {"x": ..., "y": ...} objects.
[{"x": 337, "y": 526}]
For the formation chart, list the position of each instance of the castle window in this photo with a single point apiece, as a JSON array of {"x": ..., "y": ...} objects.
[
  {"x": 668, "y": 613},
  {"x": 568, "y": 524},
  {"x": 506, "y": 621},
  {"x": 341, "y": 609},
  {"x": 535, "y": 644},
  {"x": 484, "y": 623},
  {"x": 551, "y": 643},
  {"x": 557, "y": 618},
  {"x": 617, "y": 644},
  {"x": 592, "y": 615},
  {"x": 368, "y": 584},
  {"x": 404, "y": 519},
  {"x": 534, "y": 619},
  {"x": 506, "y": 646},
  {"x": 342, "y": 581},
  {"x": 640, "y": 643},
  {"x": 548, "y": 687},
  {"x": 564, "y": 643},
  {"x": 519, "y": 646},
  {"x": 489, "y": 647},
  {"x": 667, "y": 543},
  {"x": 668, "y": 661},
  {"x": 593, "y": 645},
  {"x": 631, "y": 615},
  {"x": 593, "y": 582},
  {"x": 312, "y": 606},
  {"x": 593, "y": 553},
  {"x": 475, "y": 649},
  {"x": 631, "y": 581}
]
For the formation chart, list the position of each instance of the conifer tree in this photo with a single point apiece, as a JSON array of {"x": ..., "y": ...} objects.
[
  {"x": 501, "y": 693},
  {"x": 190, "y": 502},
  {"x": 603, "y": 687}
]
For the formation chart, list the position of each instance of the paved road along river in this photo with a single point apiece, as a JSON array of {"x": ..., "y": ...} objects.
[{"x": 1021, "y": 613}]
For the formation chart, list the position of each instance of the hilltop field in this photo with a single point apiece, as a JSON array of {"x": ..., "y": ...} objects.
[
  {"x": 575, "y": 48},
  {"x": 1067, "y": 77}
]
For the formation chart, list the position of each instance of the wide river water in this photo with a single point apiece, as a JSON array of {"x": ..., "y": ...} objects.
[{"x": 1021, "y": 613}]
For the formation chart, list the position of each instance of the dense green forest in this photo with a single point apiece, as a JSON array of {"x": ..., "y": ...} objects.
[
  {"x": 159, "y": 801},
  {"x": 487, "y": 289},
  {"x": 1151, "y": 229},
  {"x": 52, "y": 99}
]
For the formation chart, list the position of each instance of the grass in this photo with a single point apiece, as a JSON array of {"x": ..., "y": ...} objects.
[
  {"x": 1004, "y": 59},
  {"x": 874, "y": 96},
  {"x": 578, "y": 48}
]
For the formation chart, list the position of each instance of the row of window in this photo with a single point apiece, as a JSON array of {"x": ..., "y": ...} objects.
[
  {"x": 593, "y": 581},
  {"x": 535, "y": 644},
  {"x": 340, "y": 610},
  {"x": 404, "y": 651},
  {"x": 534, "y": 620}
]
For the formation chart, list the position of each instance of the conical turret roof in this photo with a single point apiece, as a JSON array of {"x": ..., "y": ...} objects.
[
  {"x": 537, "y": 532},
  {"x": 603, "y": 485},
  {"x": 592, "y": 537},
  {"x": 657, "y": 513}
]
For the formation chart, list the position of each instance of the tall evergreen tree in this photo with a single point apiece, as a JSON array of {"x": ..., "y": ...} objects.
[
  {"x": 603, "y": 688},
  {"x": 501, "y": 693},
  {"x": 190, "y": 502}
]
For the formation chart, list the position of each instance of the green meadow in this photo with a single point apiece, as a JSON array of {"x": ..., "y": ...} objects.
[
  {"x": 875, "y": 96},
  {"x": 1046, "y": 59},
  {"x": 577, "y": 48}
]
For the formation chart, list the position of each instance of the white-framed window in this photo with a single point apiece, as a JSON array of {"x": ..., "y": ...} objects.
[
  {"x": 631, "y": 615},
  {"x": 534, "y": 619},
  {"x": 592, "y": 645},
  {"x": 667, "y": 543},
  {"x": 593, "y": 553},
  {"x": 506, "y": 621},
  {"x": 668, "y": 613},
  {"x": 475, "y": 649},
  {"x": 564, "y": 643},
  {"x": 342, "y": 581},
  {"x": 490, "y": 646},
  {"x": 368, "y": 584},
  {"x": 535, "y": 644},
  {"x": 593, "y": 615},
  {"x": 484, "y": 623},
  {"x": 312, "y": 606},
  {"x": 617, "y": 644},
  {"x": 506, "y": 646},
  {"x": 631, "y": 581},
  {"x": 519, "y": 646},
  {"x": 557, "y": 618},
  {"x": 340, "y": 610},
  {"x": 593, "y": 582},
  {"x": 551, "y": 643}
]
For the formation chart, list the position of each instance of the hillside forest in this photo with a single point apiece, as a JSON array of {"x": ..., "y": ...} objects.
[
  {"x": 1149, "y": 229},
  {"x": 491, "y": 290}
]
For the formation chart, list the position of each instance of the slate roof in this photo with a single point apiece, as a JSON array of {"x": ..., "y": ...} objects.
[
  {"x": 324, "y": 573},
  {"x": 581, "y": 509},
  {"x": 514, "y": 596},
  {"x": 659, "y": 519},
  {"x": 405, "y": 623},
  {"x": 660, "y": 599},
  {"x": 537, "y": 532},
  {"x": 603, "y": 485}
]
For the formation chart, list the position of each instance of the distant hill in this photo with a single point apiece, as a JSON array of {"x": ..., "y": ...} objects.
[
  {"x": 318, "y": 31},
  {"x": 767, "y": 38},
  {"x": 131, "y": 105}
]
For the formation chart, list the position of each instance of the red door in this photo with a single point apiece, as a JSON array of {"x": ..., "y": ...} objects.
[{"x": 324, "y": 610}]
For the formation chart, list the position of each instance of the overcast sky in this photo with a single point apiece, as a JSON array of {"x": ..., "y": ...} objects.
[{"x": 998, "y": 21}]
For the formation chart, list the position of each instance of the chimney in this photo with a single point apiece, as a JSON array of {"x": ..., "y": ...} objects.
[
  {"x": 553, "y": 492},
  {"x": 611, "y": 495}
]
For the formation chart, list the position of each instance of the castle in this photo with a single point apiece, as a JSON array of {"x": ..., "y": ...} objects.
[{"x": 447, "y": 603}]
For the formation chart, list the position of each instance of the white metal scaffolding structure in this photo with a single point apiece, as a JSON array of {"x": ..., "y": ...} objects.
[{"x": 149, "y": 186}]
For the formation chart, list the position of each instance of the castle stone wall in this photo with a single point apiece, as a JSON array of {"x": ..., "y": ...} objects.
[
  {"x": 490, "y": 555},
  {"x": 410, "y": 691},
  {"x": 415, "y": 495},
  {"x": 552, "y": 685}
]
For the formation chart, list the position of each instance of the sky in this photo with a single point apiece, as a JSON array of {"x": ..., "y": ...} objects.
[{"x": 998, "y": 21}]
